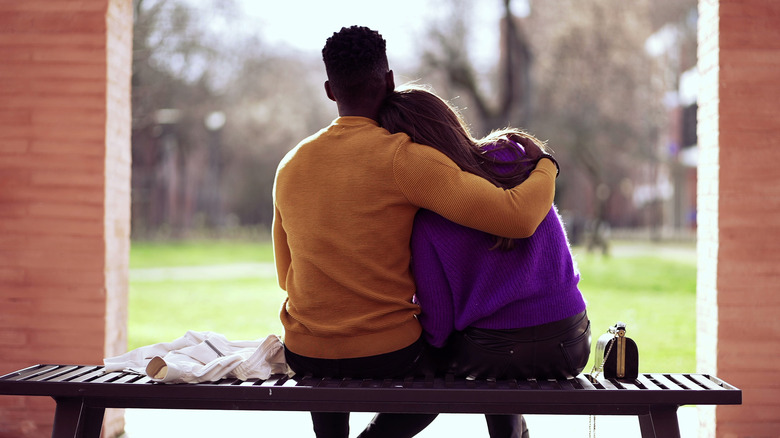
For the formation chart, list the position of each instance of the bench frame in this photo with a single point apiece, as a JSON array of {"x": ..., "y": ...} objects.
[{"x": 84, "y": 392}]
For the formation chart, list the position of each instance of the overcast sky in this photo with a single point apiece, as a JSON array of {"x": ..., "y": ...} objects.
[{"x": 305, "y": 25}]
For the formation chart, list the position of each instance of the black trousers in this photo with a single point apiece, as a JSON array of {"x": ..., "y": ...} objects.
[
  {"x": 555, "y": 350},
  {"x": 415, "y": 359}
]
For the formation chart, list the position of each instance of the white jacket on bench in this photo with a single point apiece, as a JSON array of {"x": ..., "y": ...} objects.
[{"x": 204, "y": 357}]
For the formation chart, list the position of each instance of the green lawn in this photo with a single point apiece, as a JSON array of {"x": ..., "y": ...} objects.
[
  {"x": 654, "y": 294},
  {"x": 198, "y": 253},
  {"x": 652, "y": 288},
  {"x": 241, "y": 306}
]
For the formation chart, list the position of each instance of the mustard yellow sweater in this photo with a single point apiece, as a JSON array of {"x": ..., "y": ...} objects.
[{"x": 344, "y": 201}]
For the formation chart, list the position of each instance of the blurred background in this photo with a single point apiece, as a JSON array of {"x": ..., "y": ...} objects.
[{"x": 222, "y": 89}]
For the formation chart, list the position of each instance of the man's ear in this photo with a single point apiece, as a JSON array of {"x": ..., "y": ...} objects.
[
  {"x": 389, "y": 82},
  {"x": 329, "y": 92}
]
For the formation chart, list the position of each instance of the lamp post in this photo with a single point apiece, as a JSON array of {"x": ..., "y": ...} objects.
[{"x": 214, "y": 122}]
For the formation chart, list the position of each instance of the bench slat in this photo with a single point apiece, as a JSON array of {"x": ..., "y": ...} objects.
[
  {"x": 58, "y": 374},
  {"x": 667, "y": 384},
  {"x": 683, "y": 381},
  {"x": 647, "y": 383},
  {"x": 631, "y": 386},
  {"x": 584, "y": 382},
  {"x": 39, "y": 373},
  {"x": 705, "y": 381},
  {"x": 77, "y": 372},
  {"x": 607, "y": 384},
  {"x": 90, "y": 376},
  {"x": 108, "y": 377}
]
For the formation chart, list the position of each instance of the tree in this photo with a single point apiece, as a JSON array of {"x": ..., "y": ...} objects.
[
  {"x": 173, "y": 91},
  {"x": 573, "y": 72},
  {"x": 214, "y": 111},
  {"x": 599, "y": 102},
  {"x": 449, "y": 54},
  {"x": 276, "y": 100}
]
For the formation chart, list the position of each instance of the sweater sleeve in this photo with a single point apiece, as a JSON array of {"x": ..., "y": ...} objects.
[
  {"x": 433, "y": 293},
  {"x": 282, "y": 255},
  {"x": 430, "y": 180}
]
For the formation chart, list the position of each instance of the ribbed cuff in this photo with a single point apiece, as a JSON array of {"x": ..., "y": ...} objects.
[{"x": 550, "y": 157}]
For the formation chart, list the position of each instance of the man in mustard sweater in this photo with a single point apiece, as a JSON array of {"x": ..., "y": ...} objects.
[{"x": 344, "y": 203}]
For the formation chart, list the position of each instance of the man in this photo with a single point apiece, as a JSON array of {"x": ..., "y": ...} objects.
[{"x": 344, "y": 203}]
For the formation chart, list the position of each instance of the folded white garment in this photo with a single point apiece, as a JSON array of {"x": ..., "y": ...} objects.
[{"x": 204, "y": 357}]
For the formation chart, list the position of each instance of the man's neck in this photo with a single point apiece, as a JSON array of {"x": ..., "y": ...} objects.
[{"x": 359, "y": 112}]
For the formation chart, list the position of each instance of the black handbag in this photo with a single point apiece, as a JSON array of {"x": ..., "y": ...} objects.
[{"x": 618, "y": 355}]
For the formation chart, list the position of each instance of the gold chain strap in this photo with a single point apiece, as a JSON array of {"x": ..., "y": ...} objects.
[
  {"x": 594, "y": 374},
  {"x": 592, "y": 426}
]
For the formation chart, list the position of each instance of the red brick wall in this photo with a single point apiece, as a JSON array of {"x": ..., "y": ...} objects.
[
  {"x": 64, "y": 191},
  {"x": 739, "y": 201}
]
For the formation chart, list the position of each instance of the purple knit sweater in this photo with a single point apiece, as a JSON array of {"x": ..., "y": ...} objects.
[{"x": 462, "y": 283}]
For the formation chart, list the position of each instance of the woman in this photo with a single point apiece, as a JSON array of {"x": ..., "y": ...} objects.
[{"x": 498, "y": 307}]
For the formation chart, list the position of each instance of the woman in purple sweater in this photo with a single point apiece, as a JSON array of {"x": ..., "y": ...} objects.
[{"x": 497, "y": 307}]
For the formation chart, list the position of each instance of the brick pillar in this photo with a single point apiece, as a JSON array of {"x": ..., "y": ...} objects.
[
  {"x": 739, "y": 212},
  {"x": 64, "y": 192}
]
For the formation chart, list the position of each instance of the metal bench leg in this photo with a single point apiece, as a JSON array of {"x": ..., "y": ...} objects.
[
  {"x": 74, "y": 419},
  {"x": 660, "y": 423}
]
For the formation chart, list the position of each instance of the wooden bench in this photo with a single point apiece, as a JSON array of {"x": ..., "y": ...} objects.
[{"x": 83, "y": 392}]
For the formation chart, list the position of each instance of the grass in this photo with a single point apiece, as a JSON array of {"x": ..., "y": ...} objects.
[
  {"x": 654, "y": 295},
  {"x": 198, "y": 253},
  {"x": 649, "y": 287},
  {"x": 243, "y": 308}
]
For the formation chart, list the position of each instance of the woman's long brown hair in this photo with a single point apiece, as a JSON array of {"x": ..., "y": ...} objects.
[{"x": 429, "y": 120}]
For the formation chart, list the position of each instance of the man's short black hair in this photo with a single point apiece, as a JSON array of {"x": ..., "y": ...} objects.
[{"x": 356, "y": 62}]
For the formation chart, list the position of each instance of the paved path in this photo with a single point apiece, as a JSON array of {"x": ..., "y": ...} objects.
[
  {"x": 141, "y": 423},
  {"x": 267, "y": 270},
  {"x": 211, "y": 272}
]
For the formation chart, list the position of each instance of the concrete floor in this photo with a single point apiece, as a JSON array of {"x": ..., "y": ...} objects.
[{"x": 142, "y": 423}]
